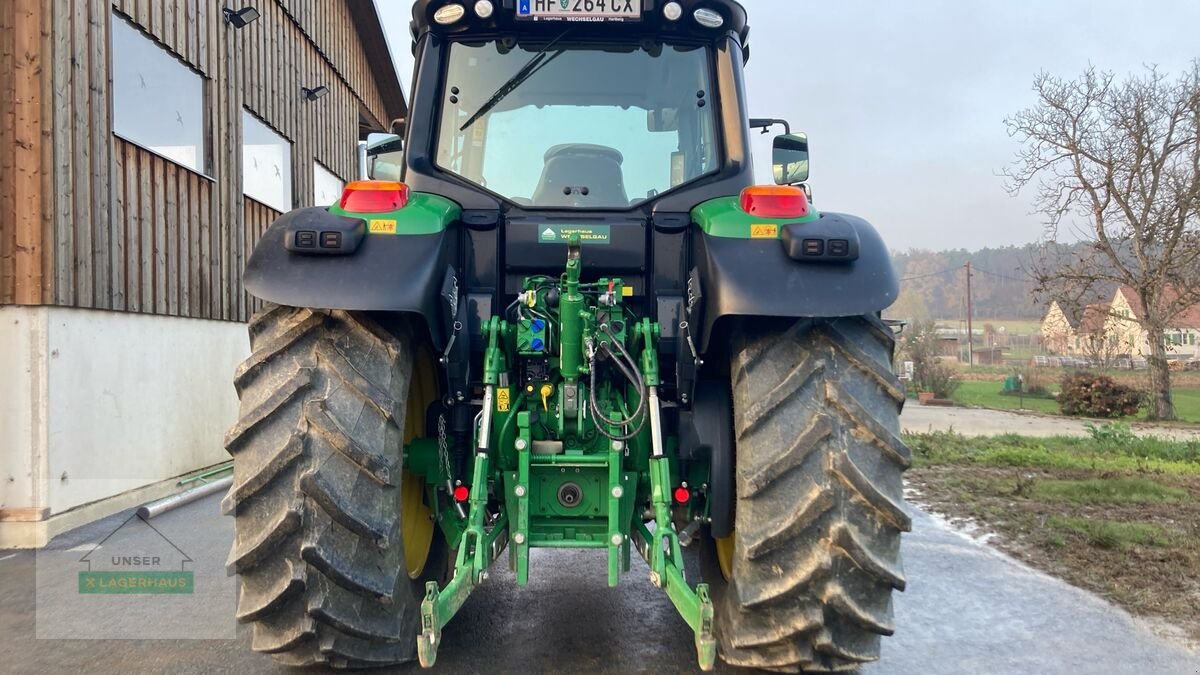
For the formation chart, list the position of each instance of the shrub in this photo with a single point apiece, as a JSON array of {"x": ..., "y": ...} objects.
[
  {"x": 1091, "y": 395},
  {"x": 1034, "y": 381},
  {"x": 1112, "y": 433},
  {"x": 942, "y": 380},
  {"x": 922, "y": 346}
]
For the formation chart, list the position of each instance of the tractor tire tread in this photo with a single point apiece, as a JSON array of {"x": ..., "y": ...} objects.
[
  {"x": 315, "y": 498},
  {"x": 817, "y": 523}
]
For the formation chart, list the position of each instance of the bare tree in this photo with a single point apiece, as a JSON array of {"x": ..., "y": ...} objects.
[
  {"x": 1101, "y": 349},
  {"x": 1119, "y": 162}
]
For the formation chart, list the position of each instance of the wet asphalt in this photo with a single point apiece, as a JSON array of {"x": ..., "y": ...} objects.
[{"x": 968, "y": 609}]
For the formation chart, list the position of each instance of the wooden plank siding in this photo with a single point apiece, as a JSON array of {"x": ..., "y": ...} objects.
[
  {"x": 92, "y": 220},
  {"x": 258, "y": 217},
  {"x": 330, "y": 26},
  {"x": 8, "y": 151},
  {"x": 24, "y": 43}
]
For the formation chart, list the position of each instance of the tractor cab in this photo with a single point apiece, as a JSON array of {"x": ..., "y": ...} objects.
[{"x": 588, "y": 105}]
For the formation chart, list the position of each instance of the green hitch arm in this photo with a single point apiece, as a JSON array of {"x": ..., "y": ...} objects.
[
  {"x": 476, "y": 551},
  {"x": 493, "y": 366},
  {"x": 493, "y": 356},
  {"x": 571, "y": 307},
  {"x": 649, "y": 334},
  {"x": 661, "y": 548},
  {"x": 478, "y": 546}
]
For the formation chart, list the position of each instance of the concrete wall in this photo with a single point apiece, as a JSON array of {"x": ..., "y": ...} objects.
[
  {"x": 22, "y": 407},
  {"x": 94, "y": 404}
]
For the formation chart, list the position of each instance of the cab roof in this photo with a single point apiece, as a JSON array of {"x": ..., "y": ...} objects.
[{"x": 652, "y": 24}]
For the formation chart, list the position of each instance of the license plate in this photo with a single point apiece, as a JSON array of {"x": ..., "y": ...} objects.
[{"x": 579, "y": 10}]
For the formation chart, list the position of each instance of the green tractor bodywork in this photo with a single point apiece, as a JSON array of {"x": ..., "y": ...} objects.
[{"x": 568, "y": 365}]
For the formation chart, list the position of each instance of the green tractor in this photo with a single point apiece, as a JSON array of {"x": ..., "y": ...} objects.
[{"x": 576, "y": 323}]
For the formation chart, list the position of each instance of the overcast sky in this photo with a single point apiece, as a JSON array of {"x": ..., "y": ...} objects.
[{"x": 904, "y": 102}]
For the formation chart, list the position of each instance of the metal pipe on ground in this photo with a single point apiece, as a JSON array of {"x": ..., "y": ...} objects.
[
  {"x": 220, "y": 468},
  {"x": 161, "y": 506}
]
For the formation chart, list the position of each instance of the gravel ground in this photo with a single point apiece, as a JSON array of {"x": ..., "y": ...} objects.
[{"x": 982, "y": 422}]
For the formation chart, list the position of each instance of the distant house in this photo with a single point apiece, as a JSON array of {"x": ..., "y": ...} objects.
[
  {"x": 1090, "y": 338},
  {"x": 949, "y": 346},
  {"x": 1104, "y": 331},
  {"x": 989, "y": 356},
  {"x": 1126, "y": 336},
  {"x": 1058, "y": 329}
]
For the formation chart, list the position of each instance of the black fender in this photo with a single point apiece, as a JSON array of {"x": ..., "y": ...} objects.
[
  {"x": 402, "y": 273},
  {"x": 761, "y": 278},
  {"x": 706, "y": 434}
]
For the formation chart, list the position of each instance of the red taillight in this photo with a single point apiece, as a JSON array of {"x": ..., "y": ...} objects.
[
  {"x": 374, "y": 196},
  {"x": 462, "y": 493},
  {"x": 775, "y": 201},
  {"x": 682, "y": 494}
]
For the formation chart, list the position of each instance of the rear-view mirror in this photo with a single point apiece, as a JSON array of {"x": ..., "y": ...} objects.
[
  {"x": 385, "y": 156},
  {"x": 790, "y": 159},
  {"x": 380, "y": 142},
  {"x": 663, "y": 119}
]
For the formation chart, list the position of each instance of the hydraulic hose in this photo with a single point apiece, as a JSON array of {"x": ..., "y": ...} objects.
[
  {"x": 594, "y": 405},
  {"x": 628, "y": 368}
]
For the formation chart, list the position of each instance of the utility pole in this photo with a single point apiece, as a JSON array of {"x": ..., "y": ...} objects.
[{"x": 970, "y": 328}]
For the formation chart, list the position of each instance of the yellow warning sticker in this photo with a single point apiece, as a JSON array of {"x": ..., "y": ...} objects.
[
  {"x": 503, "y": 399},
  {"x": 382, "y": 226},
  {"x": 764, "y": 231},
  {"x": 627, "y": 291}
]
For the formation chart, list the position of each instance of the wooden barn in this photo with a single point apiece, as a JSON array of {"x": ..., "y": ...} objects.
[{"x": 145, "y": 145}]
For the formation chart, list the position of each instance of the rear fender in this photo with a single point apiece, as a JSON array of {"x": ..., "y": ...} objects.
[
  {"x": 743, "y": 277},
  {"x": 393, "y": 272}
]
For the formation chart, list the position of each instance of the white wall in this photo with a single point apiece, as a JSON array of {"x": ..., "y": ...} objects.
[
  {"x": 22, "y": 407},
  {"x": 128, "y": 400}
]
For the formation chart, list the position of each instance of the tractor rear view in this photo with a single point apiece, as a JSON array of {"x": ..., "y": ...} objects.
[{"x": 577, "y": 323}]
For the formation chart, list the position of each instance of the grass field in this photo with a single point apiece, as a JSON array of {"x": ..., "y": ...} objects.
[
  {"x": 984, "y": 394},
  {"x": 1187, "y": 404},
  {"x": 1058, "y": 454},
  {"x": 1118, "y": 518},
  {"x": 987, "y": 395}
]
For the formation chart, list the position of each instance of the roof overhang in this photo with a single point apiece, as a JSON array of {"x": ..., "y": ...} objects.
[{"x": 379, "y": 57}]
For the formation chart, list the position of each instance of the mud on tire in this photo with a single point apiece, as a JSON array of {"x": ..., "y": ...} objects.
[
  {"x": 316, "y": 497},
  {"x": 819, "y": 498}
]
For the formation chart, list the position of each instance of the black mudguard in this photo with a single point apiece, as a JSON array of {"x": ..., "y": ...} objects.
[
  {"x": 706, "y": 435},
  {"x": 757, "y": 278},
  {"x": 378, "y": 273}
]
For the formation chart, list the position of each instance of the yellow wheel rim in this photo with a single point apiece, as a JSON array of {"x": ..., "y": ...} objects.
[
  {"x": 416, "y": 525},
  {"x": 725, "y": 555},
  {"x": 416, "y": 520}
]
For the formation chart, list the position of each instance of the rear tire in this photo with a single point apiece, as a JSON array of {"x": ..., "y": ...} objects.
[
  {"x": 316, "y": 495},
  {"x": 820, "y": 506}
]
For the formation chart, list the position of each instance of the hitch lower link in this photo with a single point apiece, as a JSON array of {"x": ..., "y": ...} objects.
[
  {"x": 478, "y": 546},
  {"x": 664, "y": 555},
  {"x": 478, "y": 549}
]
